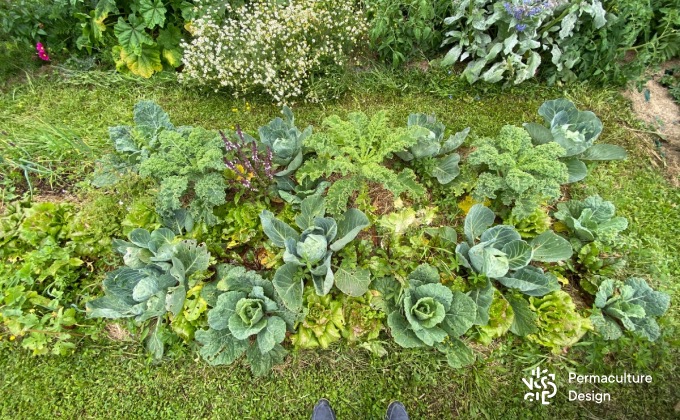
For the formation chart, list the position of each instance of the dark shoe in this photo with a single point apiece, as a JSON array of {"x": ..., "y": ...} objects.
[
  {"x": 323, "y": 411},
  {"x": 396, "y": 411}
]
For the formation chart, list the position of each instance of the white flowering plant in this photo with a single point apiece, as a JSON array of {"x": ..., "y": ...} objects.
[{"x": 269, "y": 47}]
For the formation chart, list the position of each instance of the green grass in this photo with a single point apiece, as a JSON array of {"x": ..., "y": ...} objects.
[{"x": 114, "y": 380}]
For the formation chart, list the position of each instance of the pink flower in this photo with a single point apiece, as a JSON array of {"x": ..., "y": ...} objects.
[{"x": 41, "y": 52}]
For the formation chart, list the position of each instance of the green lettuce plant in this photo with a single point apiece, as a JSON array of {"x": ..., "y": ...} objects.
[
  {"x": 159, "y": 270},
  {"x": 630, "y": 305},
  {"x": 499, "y": 253},
  {"x": 516, "y": 173},
  {"x": 323, "y": 323},
  {"x": 559, "y": 325},
  {"x": 363, "y": 321},
  {"x": 533, "y": 225},
  {"x": 576, "y": 131},
  {"x": 310, "y": 252},
  {"x": 425, "y": 313},
  {"x": 357, "y": 149},
  {"x": 500, "y": 319},
  {"x": 247, "y": 317},
  {"x": 432, "y": 155}
]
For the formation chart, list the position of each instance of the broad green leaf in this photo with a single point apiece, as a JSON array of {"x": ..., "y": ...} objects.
[
  {"x": 447, "y": 168},
  {"x": 489, "y": 261},
  {"x": 430, "y": 336},
  {"x": 276, "y": 230},
  {"x": 113, "y": 308},
  {"x": 531, "y": 281},
  {"x": 158, "y": 238},
  {"x": 605, "y": 326},
  {"x": 288, "y": 284},
  {"x": 153, "y": 12},
  {"x": 353, "y": 282},
  {"x": 549, "y": 247},
  {"x": 169, "y": 37},
  {"x": 482, "y": 297},
  {"x": 261, "y": 364},
  {"x": 454, "y": 141},
  {"x": 401, "y": 330},
  {"x": 577, "y": 170},
  {"x": 524, "y": 322},
  {"x": 500, "y": 235},
  {"x": 194, "y": 257},
  {"x": 349, "y": 227},
  {"x": 272, "y": 334},
  {"x": 219, "y": 347},
  {"x": 242, "y": 330},
  {"x": 155, "y": 343},
  {"x": 140, "y": 237},
  {"x": 462, "y": 314},
  {"x": 132, "y": 35},
  {"x": 172, "y": 56},
  {"x": 647, "y": 328},
  {"x": 539, "y": 133},
  {"x": 478, "y": 219},
  {"x": 604, "y": 152},
  {"x": 519, "y": 254},
  {"x": 653, "y": 302},
  {"x": 174, "y": 300},
  {"x": 458, "y": 354},
  {"x": 424, "y": 274},
  {"x": 311, "y": 208},
  {"x": 104, "y": 8},
  {"x": 151, "y": 285},
  {"x": 145, "y": 61},
  {"x": 150, "y": 119}
]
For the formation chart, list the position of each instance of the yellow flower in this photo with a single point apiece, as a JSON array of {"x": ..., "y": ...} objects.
[{"x": 12, "y": 338}]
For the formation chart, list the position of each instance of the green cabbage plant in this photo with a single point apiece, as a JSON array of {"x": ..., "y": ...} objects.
[
  {"x": 159, "y": 270},
  {"x": 425, "y": 313},
  {"x": 310, "y": 252},
  {"x": 576, "y": 131},
  {"x": 247, "y": 317},
  {"x": 431, "y": 154},
  {"x": 590, "y": 220},
  {"x": 285, "y": 141},
  {"x": 631, "y": 305},
  {"x": 499, "y": 253}
]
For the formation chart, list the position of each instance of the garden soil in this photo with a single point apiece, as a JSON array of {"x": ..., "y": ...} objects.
[{"x": 662, "y": 115}]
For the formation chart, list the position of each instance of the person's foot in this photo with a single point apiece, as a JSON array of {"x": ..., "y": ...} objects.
[
  {"x": 323, "y": 411},
  {"x": 396, "y": 411}
]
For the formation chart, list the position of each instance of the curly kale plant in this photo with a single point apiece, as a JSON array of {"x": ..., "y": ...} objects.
[
  {"x": 590, "y": 220},
  {"x": 501, "y": 254},
  {"x": 247, "y": 317},
  {"x": 356, "y": 149},
  {"x": 188, "y": 166},
  {"x": 159, "y": 270},
  {"x": 310, "y": 252},
  {"x": 575, "y": 131},
  {"x": 516, "y": 173},
  {"x": 431, "y": 154},
  {"x": 631, "y": 305},
  {"x": 425, "y": 313}
]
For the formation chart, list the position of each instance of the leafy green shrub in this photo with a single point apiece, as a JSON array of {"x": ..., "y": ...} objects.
[
  {"x": 247, "y": 317},
  {"x": 559, "y": 324},
  {"x": 159, "y": 271},
  {"x": 404, "y": 29},
  {"x": 502, "y": 255},
  {"x": 575, "y": 131},
  {"x": 356, "y": 149},
  {"x": 425, "y": 313},
  {"x": 516, "y": 173},
  {"x": 147, "y": 32},
  {"x": 631, "y": 305},
  {"x": 310, "y": 252},
  {"x": 275, "y": 47},
  {"x": 432, "y": 155},
  {"x": 533, "y": 225},
  {"x": 510, "y": 40}
]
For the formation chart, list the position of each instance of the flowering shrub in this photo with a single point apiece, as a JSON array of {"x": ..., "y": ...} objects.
[
  {"x": 509, "y": 40},
  {"x": 270, "y": 47}
]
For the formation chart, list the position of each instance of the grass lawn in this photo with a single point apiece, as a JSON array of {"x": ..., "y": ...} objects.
[{"x": 106, "y": 379}]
